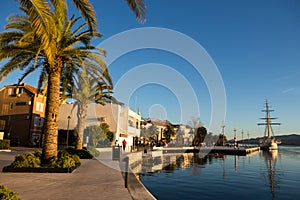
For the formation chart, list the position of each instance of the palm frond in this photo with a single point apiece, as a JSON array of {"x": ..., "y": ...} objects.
[
  {"x": 60, "y": 13},
  {"x": 7, "y": 38},
  {"x": 43, "y": 80},
  {"x": 138, "y": 7},
  {"x": 42, "y": 22},
  {"x": 18, "y": 22},
  {"x": 29, "y": 71},
  {"x": 87, "y": 11},
  {"x": 17, "y": 62}
]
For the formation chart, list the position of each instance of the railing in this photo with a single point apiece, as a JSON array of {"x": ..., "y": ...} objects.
[{"x": 133, "y": 131}]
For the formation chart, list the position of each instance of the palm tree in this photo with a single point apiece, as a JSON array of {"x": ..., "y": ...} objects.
[
  {"x": 47, "y": 21},
  {"x": 84, "y": 89},
  {"x": 169, "y": 132},
  {"x": 23, "y": 47}
]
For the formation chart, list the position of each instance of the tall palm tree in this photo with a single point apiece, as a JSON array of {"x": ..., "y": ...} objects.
[
  {"x": 88, "y": 88},
  {"x": 73, "y": 47},
  {"x": 48, "y": 19}
]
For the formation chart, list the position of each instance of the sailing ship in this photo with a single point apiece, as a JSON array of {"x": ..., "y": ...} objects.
[{"x": 268, "y": 142}]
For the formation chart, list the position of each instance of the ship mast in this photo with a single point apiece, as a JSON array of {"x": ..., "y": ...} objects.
[{"x": 268, "y": 121}]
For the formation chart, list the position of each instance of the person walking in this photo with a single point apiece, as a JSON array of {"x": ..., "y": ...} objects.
[{"x": 124, "y": 144}]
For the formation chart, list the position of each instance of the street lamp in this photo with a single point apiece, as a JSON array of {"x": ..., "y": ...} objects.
[
  {"x": 235, "y": 139},
  {"x": 69, "y": 117},
  {"x": 223, "y": 126},
  {"x": 243, "y": 137}
]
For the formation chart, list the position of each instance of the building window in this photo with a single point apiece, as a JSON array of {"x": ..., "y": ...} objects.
[
  {"x": 20, "y": 91},
  {"x": 10, "y": 91},
  {"x": 38, "y": 121},
  {"x": 39, "y": 107},
  {"x": 21, "y": 103},
  {"x": 130, "y": 123},
  {"x": 11, "y": 105},
  {"x": 2, "y": 124}
]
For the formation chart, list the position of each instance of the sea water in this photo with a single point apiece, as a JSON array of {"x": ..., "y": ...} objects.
[{"x": 262, "y": 175}]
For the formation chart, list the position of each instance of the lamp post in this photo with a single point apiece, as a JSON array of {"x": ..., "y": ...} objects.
[
  {"x": 235, "y": 140},
  {"x": 243, "y": 137},
  {"x": 223, "y": 138},
  {"x": 69, "y": 117}
]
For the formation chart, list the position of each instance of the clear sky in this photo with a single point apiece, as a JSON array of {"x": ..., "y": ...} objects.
[{"x": 254, "y": 44}]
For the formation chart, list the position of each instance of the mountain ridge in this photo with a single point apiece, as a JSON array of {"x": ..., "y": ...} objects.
[{"x": 291, "y": 139}]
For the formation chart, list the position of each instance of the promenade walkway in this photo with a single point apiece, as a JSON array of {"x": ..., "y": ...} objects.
[{"x": 92, "y": 180}]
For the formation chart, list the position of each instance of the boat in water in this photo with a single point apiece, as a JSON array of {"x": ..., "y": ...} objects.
[{"x": 268, "y": 142}]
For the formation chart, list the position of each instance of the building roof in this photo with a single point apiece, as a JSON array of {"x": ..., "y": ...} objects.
[
  {"x": 156, "y": 122},
  {"x": 30, "y": 88}
]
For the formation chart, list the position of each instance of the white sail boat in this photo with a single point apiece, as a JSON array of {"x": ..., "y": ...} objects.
[{"x": 268, "y": 142}]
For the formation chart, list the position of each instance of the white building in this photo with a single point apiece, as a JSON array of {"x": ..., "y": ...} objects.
[
  {"x": 124, "y": 122},
  {"x": 184, "y": 134},
  {"x": 129, "y": 126},
  {"x": 159, "y": 124}
]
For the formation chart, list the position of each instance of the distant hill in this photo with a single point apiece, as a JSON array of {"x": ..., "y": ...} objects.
[{"x": 292, "y": 139}]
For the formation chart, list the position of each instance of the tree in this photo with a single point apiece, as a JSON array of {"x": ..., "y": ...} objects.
[
  {"x": 221, "y": 140},
  {"x": 150, "y": 131},
  {"x": 210, "y": 139},
  {"x": 87, "y": 89},
  {"x": 101, "y": 135},
  {"x": 48, "y": 20},
  {"x": 195, "y": 123},
  {"x": 169, "y": 132},
  {"x": 200, "y": 136},
  {"x": 25, "y": 52}
]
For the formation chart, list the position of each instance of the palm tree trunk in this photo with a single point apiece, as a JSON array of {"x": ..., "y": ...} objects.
[
  {"x": 51, "y": 119},
  {"x": 81, "y": 114}
]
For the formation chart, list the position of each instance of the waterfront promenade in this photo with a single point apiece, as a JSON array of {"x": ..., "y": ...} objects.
[{"x": 92, "y": 180}]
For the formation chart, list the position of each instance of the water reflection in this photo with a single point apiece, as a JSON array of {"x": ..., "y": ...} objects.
[
  {"x": 267, "y": 174},
  {"x": 167, "y": 163},
  {"x": 270, "y": 158}
]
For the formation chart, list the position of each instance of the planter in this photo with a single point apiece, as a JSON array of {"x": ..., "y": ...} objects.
[{"x": 40, "y": 169}]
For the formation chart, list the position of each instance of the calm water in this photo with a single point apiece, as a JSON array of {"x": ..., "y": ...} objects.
[{"x": 262, "y": 175}]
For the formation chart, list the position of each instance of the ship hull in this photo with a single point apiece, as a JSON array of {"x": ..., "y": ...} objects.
[{"x": 268, "y": 144}]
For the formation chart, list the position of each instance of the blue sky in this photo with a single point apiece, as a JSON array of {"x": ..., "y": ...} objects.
[{"x": 254, "y": 44}]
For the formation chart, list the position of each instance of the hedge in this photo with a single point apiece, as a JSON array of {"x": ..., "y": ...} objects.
[
  {"x": 4, "y": 144},
  {"x": 7, "y": 194}
]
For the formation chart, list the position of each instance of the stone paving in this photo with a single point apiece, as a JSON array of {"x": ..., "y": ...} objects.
[{"x": 92, "y": 180}]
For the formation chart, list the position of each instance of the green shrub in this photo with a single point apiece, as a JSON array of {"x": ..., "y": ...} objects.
[
  {"x": 38, "y": 154},
  {"x": 64, "y": 160},
  {"x": 82, "y": 153},
  {"x": 7, "y": 194},
  {"x": 93, "y": 151},
  {"x": 4, "y": 144},
  {"x": 70, "y": 150},
  {"x": 76, "y": 159},
  {"x": 26, "y": 160}
]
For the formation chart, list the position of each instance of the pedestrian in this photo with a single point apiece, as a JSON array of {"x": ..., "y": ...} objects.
[
  {"x": 124, "y": 144},
  {"x": 116, "y": 143}
]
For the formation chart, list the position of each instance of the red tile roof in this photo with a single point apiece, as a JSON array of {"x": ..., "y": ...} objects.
[{"x": 31, "y": 88}]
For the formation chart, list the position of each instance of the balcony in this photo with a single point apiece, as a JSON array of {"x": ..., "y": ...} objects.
[{"x": 133, "y": 131}]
